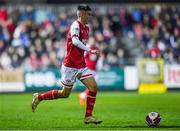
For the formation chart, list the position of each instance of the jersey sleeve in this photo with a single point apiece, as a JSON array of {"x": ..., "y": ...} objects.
[{"x": 75, "y": 29}]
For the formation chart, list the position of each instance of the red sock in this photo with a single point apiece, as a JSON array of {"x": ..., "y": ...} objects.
[
  {"x": 91, "y": 98},
  {"x": 50, "y": 95}
]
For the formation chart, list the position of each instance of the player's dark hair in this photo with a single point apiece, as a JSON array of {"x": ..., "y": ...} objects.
[{"x": 84, "y": 7}]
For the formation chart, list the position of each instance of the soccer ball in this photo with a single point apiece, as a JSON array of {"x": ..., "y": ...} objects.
[{"x": 153, "y": 119}]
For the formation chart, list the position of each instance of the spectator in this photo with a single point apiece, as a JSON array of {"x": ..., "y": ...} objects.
[
  {"x": 34, "y": 37},
  {"x": 154, "y": 51}
]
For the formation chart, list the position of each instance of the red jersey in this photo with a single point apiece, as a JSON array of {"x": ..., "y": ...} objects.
[
  {"x": 91, "y": 59},
  {"x": 74, "y": 57}
]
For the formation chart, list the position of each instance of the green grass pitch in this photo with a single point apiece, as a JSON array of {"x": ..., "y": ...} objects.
[{"x": 118, "y": 110}]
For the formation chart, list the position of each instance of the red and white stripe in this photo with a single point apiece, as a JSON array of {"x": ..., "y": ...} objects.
[
  {"x": 65, "y": 84},
  {"x": 85, "y": 76},
  {"x": 91, "y": 96}
]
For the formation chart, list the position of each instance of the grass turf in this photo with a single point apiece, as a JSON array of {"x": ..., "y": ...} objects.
[{"x": 118, "y": 110}]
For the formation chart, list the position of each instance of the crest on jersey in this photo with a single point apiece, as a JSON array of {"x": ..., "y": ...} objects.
[{"x": 76, "y": 29}]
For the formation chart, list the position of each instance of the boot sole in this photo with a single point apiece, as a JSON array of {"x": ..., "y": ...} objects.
[{"x": 99, "y": 122}]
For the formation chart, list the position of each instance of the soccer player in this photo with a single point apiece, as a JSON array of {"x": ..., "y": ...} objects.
[
  {"x": 91, "y": 62},
  {"x": 74, "y": 66}
]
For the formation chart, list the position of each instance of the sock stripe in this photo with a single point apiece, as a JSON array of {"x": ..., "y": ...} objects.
[
  {"x": 53, "y": 94},
  {"x": 91, "y": 96}
]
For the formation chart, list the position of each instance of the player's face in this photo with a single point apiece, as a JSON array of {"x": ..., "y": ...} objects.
[{"x": 86, "y": 15}]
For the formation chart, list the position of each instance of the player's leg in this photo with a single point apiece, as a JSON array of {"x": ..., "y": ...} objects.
[
  {"x": 91, "y": 84},
  {"x": 91, "y": 94},
  {"x": 55, "y": 94},
  {"x": 50, "y": 95},
  {"x": 67, "y": 80},
  {"x": 83, "y": 95}
]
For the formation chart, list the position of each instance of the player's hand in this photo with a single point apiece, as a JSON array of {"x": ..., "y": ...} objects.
[{"x": 97, "y": 52}]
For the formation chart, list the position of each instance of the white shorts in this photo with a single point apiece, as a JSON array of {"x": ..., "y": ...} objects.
[
  {"x": 69, "y": 75},
  {"x": 94, "y": 73}
]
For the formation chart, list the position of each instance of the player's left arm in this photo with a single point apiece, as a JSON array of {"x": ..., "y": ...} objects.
[{"x": 75, "y": 31}]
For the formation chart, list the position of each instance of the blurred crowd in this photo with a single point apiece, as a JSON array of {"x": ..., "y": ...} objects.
[{"x": 35, "y": 36}]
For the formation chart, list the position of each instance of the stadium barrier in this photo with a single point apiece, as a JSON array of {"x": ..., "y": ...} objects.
[
  {"x": 172, "y": 76},
  {"x": 131, "y": 78},
  {"x": 49, "y": 78},
  {"x": 126, "y": 78},
  {"x": 108, "y": 79},
  {"x": 11, "y": 81},
  {"x": 151, "y": 70},
  {"x": 43, "y": 79},
  {"x": 151, "y": 75}
]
